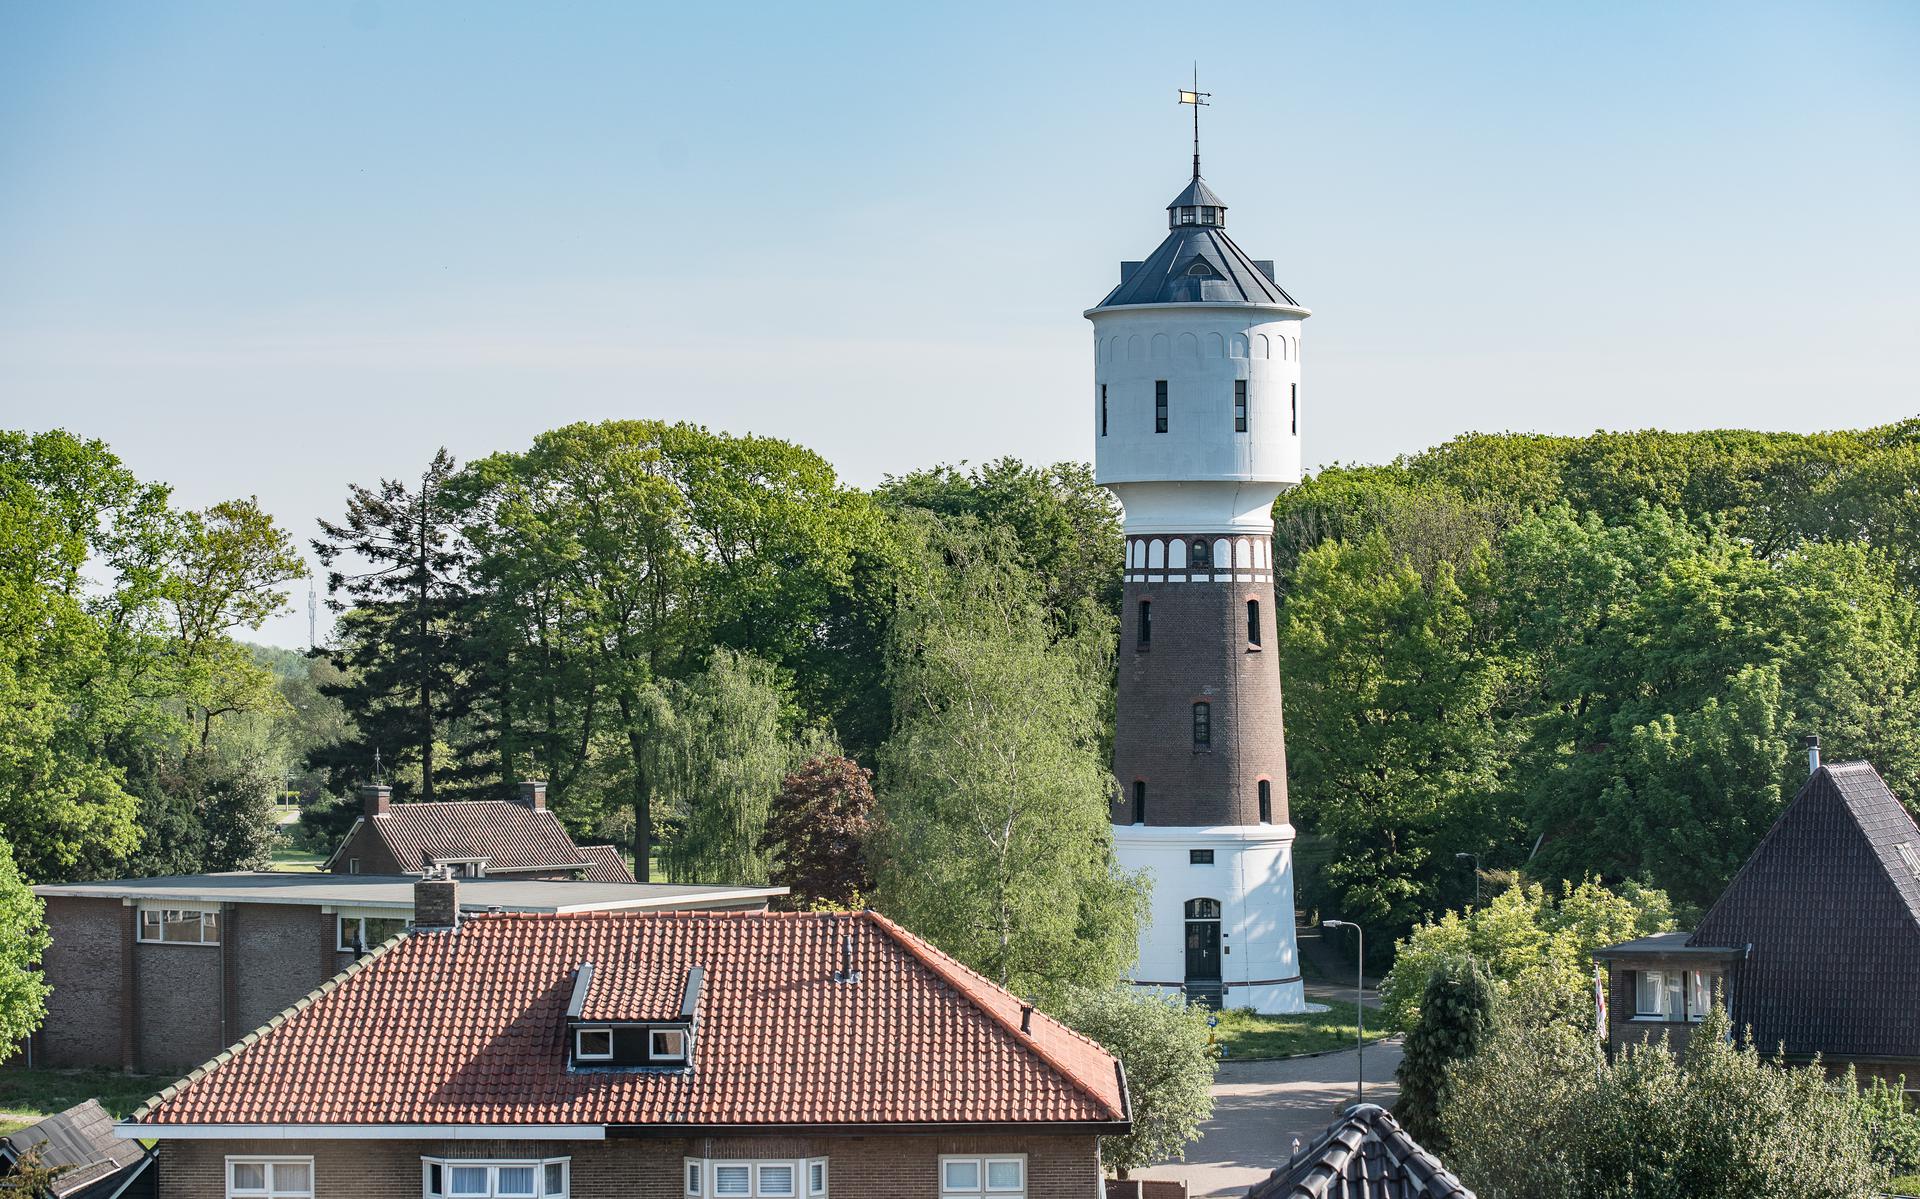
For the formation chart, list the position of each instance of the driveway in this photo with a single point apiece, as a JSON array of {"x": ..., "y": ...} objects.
[{"x": 1259, "y": 1107}]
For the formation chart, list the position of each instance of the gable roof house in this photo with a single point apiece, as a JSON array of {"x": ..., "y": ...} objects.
[
  {"x": 471, "y": 838},
  {"x": 693, "y": 1054},
  {"x": 1815, "y": 944}
]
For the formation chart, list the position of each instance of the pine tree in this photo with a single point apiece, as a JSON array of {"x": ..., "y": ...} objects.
[{"x": 1456, "y": 1015}]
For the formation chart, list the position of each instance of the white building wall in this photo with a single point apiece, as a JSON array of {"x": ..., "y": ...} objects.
[{"x": 1252, "y": 877}]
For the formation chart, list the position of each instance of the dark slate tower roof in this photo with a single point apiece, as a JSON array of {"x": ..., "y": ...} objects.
[
  {"x": 1363, "y": 1155},
  {"x": 1830, "y": 903},
  {"x": 1198, "y": 262}
]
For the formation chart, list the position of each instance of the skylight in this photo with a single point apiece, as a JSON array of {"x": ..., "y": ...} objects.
[{"x": 1910, "y": 856}]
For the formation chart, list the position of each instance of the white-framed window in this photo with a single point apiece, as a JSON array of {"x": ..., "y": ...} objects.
[
  {"x": 1674, "y": 996},
  {"x": 180, "y": 926},
  {"x": 1699, "y": 994},
  {"x": 667, "y": 1045},
  {"x": 365, "y": 932},
  {"x": 463, "y": 867},
  {"x": 593, "y": 1045},
  {"x": 709, "y": 1178},
  {"x": 491, "y": 1178},
  {"x": 1002, "y": 1176},
  {"x": 353, "y": 865},
  {"x": 269, "y": 1178}
]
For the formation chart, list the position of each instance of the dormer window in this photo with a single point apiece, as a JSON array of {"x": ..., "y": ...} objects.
[
  {"x": 618, "y": 1041},
  {"x": 667, "y": 1045},
  {"x": 1199, "y": 269},
  {"x": 595, "y": 1045}
]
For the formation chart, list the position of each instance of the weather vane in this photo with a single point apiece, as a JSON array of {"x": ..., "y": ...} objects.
[{"x": 1198, "y": 99}]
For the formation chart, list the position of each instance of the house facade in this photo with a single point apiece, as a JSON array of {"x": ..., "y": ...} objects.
[
  {"x": 476, "y": 838},
  {"x": 1815, "y": 944},
  {"x": 689, "y": 1055},
  {"x": 157, "y": 975}
]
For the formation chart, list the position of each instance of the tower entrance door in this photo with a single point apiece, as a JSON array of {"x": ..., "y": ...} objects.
[{"x": 1203, "y": 952}]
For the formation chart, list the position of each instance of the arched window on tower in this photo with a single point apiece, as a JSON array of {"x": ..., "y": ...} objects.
[
  {"x": 1139, "y": 801},
  {"x": 1253, "y": 622},
  {"x": 1144, "y": 635},
  {"x": 1199, "y": 553},
  {"x": 1202, "y": 725},
  {"x": 1266, "y": 801}
]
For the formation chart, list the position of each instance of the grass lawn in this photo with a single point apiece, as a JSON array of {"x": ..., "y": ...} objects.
[
  {"x": 285, "y": 857},
  {"x": 1251, "y": 1038},
  {"x": 36, "y": 1093}
]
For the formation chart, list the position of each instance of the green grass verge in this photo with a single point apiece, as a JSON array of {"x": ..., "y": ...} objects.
[
  {"x": 1905, "y": 1184},
  {"x": 285, "y": 857},
  {"x": 25, "y": 1092},
  {"x": 1248, "y": 1037}
]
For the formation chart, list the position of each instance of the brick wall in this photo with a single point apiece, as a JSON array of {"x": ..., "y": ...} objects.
[
  {"x": 859, "y": 1167},
  {"x": 279, "y": 952},
  {"x": 1199, "y": 651},
  {"x": 83, "y": 964},
  {"x": 178, "y": 1003},
  {"x": 367, "y": 845},
  {"x": 1622, "y": 1027}
]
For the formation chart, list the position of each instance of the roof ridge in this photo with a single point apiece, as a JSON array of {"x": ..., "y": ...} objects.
[
  {"x": 957, "y": 974},
  {"x": 253, "y": 1038}
]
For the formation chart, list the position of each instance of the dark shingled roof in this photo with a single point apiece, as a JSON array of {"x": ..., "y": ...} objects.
[
  {"x": 1830, "y": 901},
  {"x": 79, "y": 1141},
  {"x": 511, "y": 836},
  {"x": 1226, "y": 275},
  {"x": 1363, "y": 1155},
  {"x": 609, "y": 865},
  {"x": 1197, "y": 195}
]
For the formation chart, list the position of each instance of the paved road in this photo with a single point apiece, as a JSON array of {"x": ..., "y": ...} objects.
[{"x": 1259, "y": 1107}]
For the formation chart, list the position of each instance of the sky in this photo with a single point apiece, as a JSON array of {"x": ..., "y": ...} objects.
[{"x": 272, "y": 249}]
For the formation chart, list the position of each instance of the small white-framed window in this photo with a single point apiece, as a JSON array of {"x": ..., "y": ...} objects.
[
  {"x": 667, "y": 1045},
  {"x": 463, "y": 867},
  {"x": 1003, "y": 1176},
  {"x": 775, "y": 1179},
  {"x": 364, "y": 932},
  {"x": 593, "y": 1044},
  {"x": 269, "y": 1178},
  {"x": 1699, "y": 995},
  {"x": 353, "y": 865},
  {"x": 180, "y": 926},
  {"x": 485, "y": 1178}
]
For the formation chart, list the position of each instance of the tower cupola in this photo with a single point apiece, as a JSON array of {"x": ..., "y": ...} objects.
[{"x": 1197, "y": 205}]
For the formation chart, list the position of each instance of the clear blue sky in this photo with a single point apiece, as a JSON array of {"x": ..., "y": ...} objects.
[{"x": 269, "y": 248}]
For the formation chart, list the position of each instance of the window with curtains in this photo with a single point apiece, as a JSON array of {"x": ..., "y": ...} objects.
[
  {"x": 495, "y": 1178},
  {"x": 988, "y": 1177},
  {"x": 269, "y": 1178},
  {"x": 709, "y": 1178},
  {"x": 180, "y": 926},
  {"x": 1673, "y": 995}
]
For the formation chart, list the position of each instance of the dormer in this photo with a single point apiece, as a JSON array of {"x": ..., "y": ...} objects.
[{"x": 601, "y": 1037}]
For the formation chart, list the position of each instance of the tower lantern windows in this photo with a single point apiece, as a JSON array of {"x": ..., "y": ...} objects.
[
  {"x": 1202, "y": 725},
  {"x": 1160, "y": 406}
]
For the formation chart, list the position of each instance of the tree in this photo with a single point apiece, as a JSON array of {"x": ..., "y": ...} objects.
[
  {"x": 23, "y": 938},
  {"x": 716, "y": 757},
  {"x": 1166, "y": 1049},
  {"x": 1538, "y": 1112},
  {"x": 399, "y": 629},
  {"x": 1527, "y": 938},
  {"x": 1394, "y": 752},
  {"x": 1456, "y": 1017},
  {"x": 994, "y": 841},
  {"x": 816, "y": 833},
  {"x": 29, "y": 1177}
]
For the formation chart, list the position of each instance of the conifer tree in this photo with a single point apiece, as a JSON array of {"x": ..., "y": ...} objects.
[{"x": 1456, "y": 1014}]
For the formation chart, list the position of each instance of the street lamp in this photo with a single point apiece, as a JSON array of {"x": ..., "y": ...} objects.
[
  {"x": 1359, "y": 1007},
  {"x": 1475, "y": 859}
]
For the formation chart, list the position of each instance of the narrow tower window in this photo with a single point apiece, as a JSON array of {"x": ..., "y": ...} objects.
[
  {"x": 1146, "y": 623},
  {"x": 1239, "y": 405},
  {"x": 1253, "y": 622},
  {"x": 1202, "y": 724},
  {"x": 1103, "y": 410},
  {"x": 1266, "y": 801},
  {"x": 1160, "y": 406},
  {"x": 1139, "y": 801},
  {"x": 1294, "y": 403}
]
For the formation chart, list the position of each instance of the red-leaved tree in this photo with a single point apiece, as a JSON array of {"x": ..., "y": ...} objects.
[{"x": 816, "y": 831}]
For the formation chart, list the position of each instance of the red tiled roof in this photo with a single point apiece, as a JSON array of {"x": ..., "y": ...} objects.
[
  {"x": 609, "y": 865},
  {"x": 468, "y": 1027},
  {"x": 511, "y": 836}
]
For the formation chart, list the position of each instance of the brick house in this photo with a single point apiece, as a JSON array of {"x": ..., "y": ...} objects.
[
  {"x": 1815, "y": 943},
  {"x": 472, "y": 838},
  {"x": 157, "y": 974},
  {"x": 687, "y": 1055}
]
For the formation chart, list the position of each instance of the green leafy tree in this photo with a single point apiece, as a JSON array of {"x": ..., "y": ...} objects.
[
  {"x": 1456, "y": 1017},
  {"x": 29, "y": 1177},
  {"x": 717, "y": 755},
  {"x": 1391, "y": 733},
  {"x": 1526, "y": 938},
  {"x": 994, "y": 841},
  {"x": 1892, "y": 1124},
  {"x": 1167, "y": 1051},
  {"x": 816, "y": 833},
  {"x": 23, "y": 938},
  {"x": 1538, "y": 1112}
]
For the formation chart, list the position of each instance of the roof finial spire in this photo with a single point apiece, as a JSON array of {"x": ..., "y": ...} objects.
[{"x": 1198, "y": 99}]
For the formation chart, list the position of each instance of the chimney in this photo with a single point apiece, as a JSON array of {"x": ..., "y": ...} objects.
[
  {"x": 1026, "y": 1017},
  {"x": 846, "y": 973},
  {"x": 1812, "y": 742},
  {"x": 533, "y": 793},
  {"x": 374, "y": 799},
  {"x": 436, "y": 903}
]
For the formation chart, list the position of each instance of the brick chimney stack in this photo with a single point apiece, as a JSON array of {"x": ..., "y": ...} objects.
[
  {"x": 533, "y": 793},
  {"x": 436, "y": 903},
  {"x": 375, "y": 799}
]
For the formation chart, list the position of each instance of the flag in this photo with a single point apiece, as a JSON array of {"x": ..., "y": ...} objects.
[
  {"x": 1187, "y": 97},
  {"x": 1600, "y": 1002}
]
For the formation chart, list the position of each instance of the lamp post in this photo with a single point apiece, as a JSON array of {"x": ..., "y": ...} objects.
[
  {"x": 1475, "y": 859},
  {"x": 1359, "y": 1007}
]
